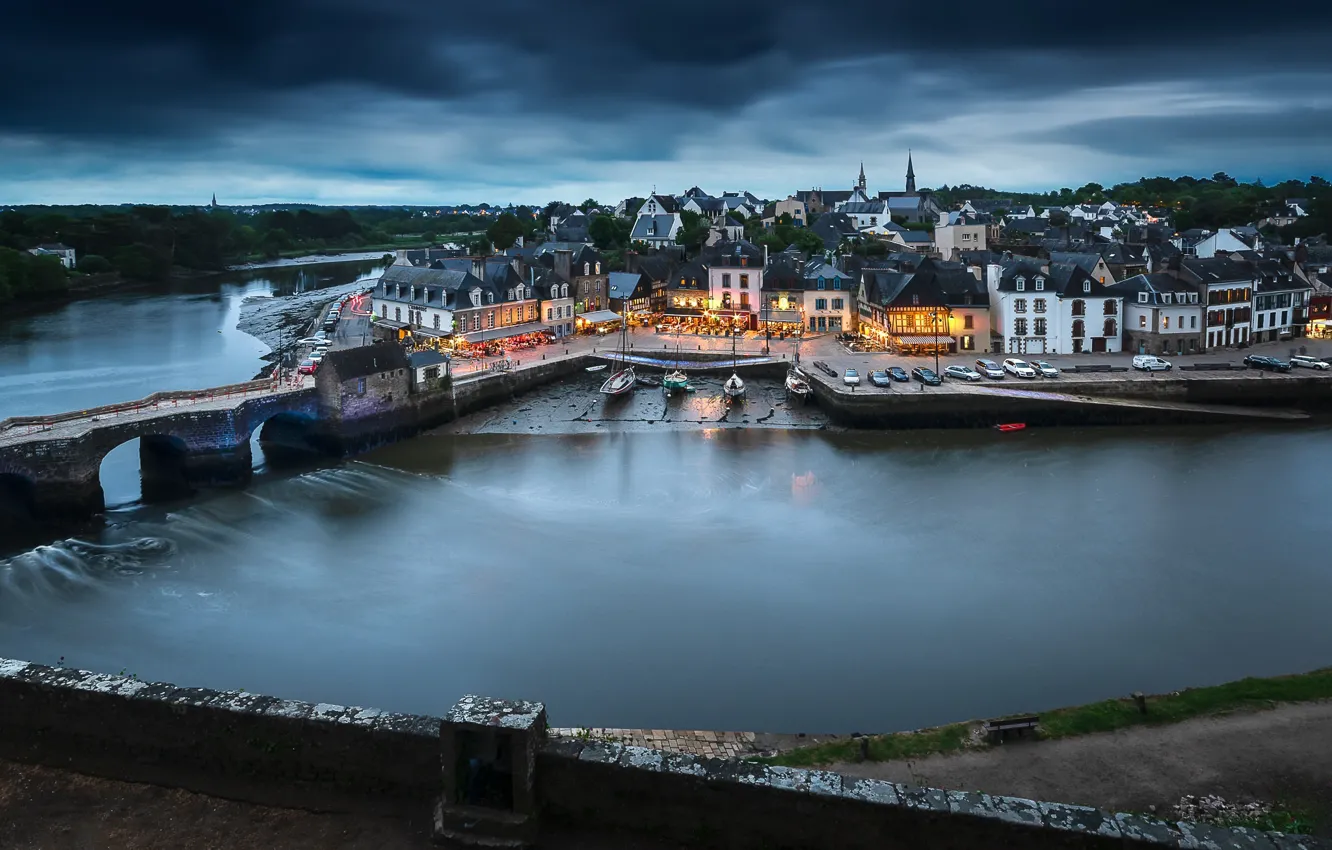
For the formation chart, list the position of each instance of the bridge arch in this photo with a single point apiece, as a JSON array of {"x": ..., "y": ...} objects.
[
  {"x": 159, "y": 461},
  {"x": 18, "y": 499},
  {"x": 284, "y": 438}
]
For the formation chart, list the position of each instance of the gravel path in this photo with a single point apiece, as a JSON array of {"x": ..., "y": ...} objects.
[{"x": 1283, "y": 754}]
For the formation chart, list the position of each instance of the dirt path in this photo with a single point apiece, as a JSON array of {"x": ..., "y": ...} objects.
[{"x": 1284, "y": 755}]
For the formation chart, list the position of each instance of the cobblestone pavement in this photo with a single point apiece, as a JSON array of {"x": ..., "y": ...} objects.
[{"x": 726, "y": 745}]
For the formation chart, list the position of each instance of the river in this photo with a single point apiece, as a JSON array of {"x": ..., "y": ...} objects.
[{"x": 697, "y": 578}]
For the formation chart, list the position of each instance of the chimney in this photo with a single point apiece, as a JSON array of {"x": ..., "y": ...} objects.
[
  {"x": 564, "y": 263},
  {"x": 631, "y": 262},
  {"x": 479, "y": 267}
]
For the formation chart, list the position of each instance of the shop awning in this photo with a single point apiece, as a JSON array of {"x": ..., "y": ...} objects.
[
  {"x": 926, "y": 340},
  {"x": 503, "y": 333},
  {"x": 389, "y": 323},
  {"x": 684, "y": 313},
  {"x": 599, "y": 316},
  {"x": 783, "y": 316}
]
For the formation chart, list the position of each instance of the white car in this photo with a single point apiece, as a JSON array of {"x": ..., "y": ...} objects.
[
  {"x": 851, "y": 378},
  {"x": 1308, "y": 362},
  {"x": 1013, "y": 366},
  {"x": 1045, "y": 369},
  {"x": 1150, "y": 363},
  {"x": 311, "y": 340},
  {"x": 965, "y": 373}
]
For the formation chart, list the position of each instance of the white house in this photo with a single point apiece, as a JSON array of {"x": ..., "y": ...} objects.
[
  {"x": 1059, "y": 309},
  {"x": 1280, "y": 303},
  {"x": 735, "y": 280},
  {"x": 658, "y": 222},
  {"x": 60, "y": 251},
  {"x": 961, "y": 231},
  {"x": 1209, "y": 244},
  {"x": 1226, "y": 288}
]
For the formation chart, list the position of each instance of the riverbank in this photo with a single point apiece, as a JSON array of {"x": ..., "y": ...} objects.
[{"x": 358, "y": 256}]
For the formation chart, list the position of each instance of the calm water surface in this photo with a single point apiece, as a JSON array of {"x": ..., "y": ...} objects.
[{"x": 736, "y": 579}]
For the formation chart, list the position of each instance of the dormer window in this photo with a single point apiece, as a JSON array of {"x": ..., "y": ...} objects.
[
  {"x": 822, "y": 283},
  {"x": 1086, "y": 286},
  {"x": 1040, "y": 284},
  {"x": 587, "y": 268},
  {"x": 490, "y": 298},
  {"x": 915, "y": 300},
  {"x": 1021, "y": 284},
  {"x": 598, "y": 268},
  {"x": 510, "y": 294},
  {"x": 476, "y": 297},
  {"x": 1165, "y": 297},
  {"x": 1142, "y": 298}
]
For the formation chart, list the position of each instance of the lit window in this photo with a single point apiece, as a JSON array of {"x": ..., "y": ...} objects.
[
  {"x": 1165, "y": 322},
  {"x": 1142, "y": 320}
]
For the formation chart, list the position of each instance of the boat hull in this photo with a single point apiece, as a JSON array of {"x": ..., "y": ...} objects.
[
  {"x": 734, "y": 387},
  {"x": 620, "y": 383}
]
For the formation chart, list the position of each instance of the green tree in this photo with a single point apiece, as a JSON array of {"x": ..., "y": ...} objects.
[
  {"x": 609, "y": 232},
  {"x": 588, "y": 204},
  {"x": 694, "y": 231},
  {"x": 94, "y": 264},
  {"x": 505, "y": 231},
  {"x": 429, "y": 236}
]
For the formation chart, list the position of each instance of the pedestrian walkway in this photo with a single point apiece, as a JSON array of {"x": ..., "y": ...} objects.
[{"x": 725, "y": 745}]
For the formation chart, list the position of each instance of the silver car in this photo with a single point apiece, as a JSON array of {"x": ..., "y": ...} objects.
[
  {"x": 1309, "y": 362},
  {"x": 1045, "y": 370},
  {"x": 989, "y": 369},
  {"x": 962, "y": 372}
]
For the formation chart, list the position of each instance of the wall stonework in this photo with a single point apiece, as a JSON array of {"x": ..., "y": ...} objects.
[{"x": 284, "y": 752}]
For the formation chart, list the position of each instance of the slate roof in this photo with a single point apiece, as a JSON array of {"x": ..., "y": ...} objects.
[
  {"x": 436, "y": 287},
  {"x": 916, "y": 236},
  {"x": 667, "y": 203},
  {"x": 710, "y": 205},
  {"x": 427, "y": 357},
  {"x": 692, "y": 277},
  {"x": 832, "y": 228},
  {"x": 1027, "y": 225},
  {"x": 1086, "y": 261},
  {"x": 782, "y": 273},
  {"x": 1122, "y": 253},
  {"x": 1153, "y": 285},
  {"x": 652, "y": 227},
  {"x": 629, "y": 285},
  {"x": 1216, "y": 270},
  {"x": 729, "y": 253},
  {"x": 365, "y": 360},
  {"x": 864, "y": 208}
]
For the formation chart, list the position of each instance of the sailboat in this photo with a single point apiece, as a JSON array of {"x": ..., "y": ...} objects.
[
  {"x": 734, "y": 387},
  {"x": 797, "y": 382},
  {"x": 624, "y": 380},
  {"x": 676, "y": 379}
]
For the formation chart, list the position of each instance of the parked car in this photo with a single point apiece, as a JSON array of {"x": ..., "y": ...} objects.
[
  {"x": 317, "y": 356},
  {"x": 1270, "y": 364},
  {"x": 926, "y": 376},
  {"x": 1013, "y": 366},
  {"x": 310, "y": 340},
  {"x": 965, "y": 373},
  {"x": 1309, "y": 362},
  {"x": 1044, "y": 369},
  {"x": 897, "y": 373},
  {"x": 1150, "y": 363},
  {"x": 989, "y": 368},
  {"x": 308, "y": 367},
  {"x": 879, "y": 378},
  {"x": 851, "y": 378}
]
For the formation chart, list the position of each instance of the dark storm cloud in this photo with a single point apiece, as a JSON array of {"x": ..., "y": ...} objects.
[
  {"x": 370, "y": 96},
  {"x": 148, "y": 66}
]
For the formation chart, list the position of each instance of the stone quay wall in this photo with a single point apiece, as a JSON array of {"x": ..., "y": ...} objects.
[{"x": 275, "y": 751}]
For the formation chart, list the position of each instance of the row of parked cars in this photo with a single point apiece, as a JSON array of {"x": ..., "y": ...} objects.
[
  {"x": 983, "y": 369},
  {"x": 320, "y": 343},
  {"x": 1276, "y": 364}
]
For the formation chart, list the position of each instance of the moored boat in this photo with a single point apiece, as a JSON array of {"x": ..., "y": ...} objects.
[
  {"x": 797, "y": 384},
  {"x": 621, "y": 382},
  {"x": 734, "y": 387},
  {"x": 1010, "y": 426},
  {"x": 676, "y": 380}
]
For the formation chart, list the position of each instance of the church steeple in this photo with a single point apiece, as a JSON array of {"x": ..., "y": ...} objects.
[
  {"x": 214, "y": 204},
  {"x": 911, "y": 174},
  {"x": 861, "y": 182}
]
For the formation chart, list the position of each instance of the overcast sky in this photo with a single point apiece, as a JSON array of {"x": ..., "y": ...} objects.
[{"x": 403, "y": 101}]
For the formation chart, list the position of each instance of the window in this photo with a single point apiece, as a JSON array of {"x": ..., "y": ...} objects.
[
  {"x": 820, "y": 303},
  {"x": 550, "y": 314},
  {"x": 915, "y": 300},
  {"x": 1165, "y": 297},
  {"x": 1142, "y": 320},
  {"x": 967, "y": 322},
  {"x": 874, "y": 219},
  {"x": 1111, "y": 328},
  {"x": 822, "y": 283},
  {"x": 476, "y": 322},
  {"x": 744, "y": 281},
  {"x": 510, "y": 298},
  {"x": 598, "y": 268},
  {"x": 1039, "y": 305},
  {"x": 1021, "y": 284},
  {"x": 1040, "y": 284},
  {"x": 383, "y": 311},
  {"x": 726, "y": 281},
  {"x": 397, "y": 314},
  {"x": 1079, "y": 308},
  {"x": 1261, "y": 316},
  {"x": 1020, "y": 305},
  {"x": 1020, "y": 327},
  {"x": 1086, "y": 286},
  {"x": 837, "y": 283},
  {"x": 490, "y": 319},
  {"x": 508, "y": 317},
  {"x": 518, "y": 293},
  {"x": 1284, "y": 315},
  {"x": 587, "y": 268},
  {"x": 436, "y": 321},
  {"x": 968, "y": 343},
  {"x": 1142, "y": 298},
  {"x": 1039, "y": 325},
  {"x": 1110, "y": 308},
  {"x": 490, "y": 298},
  {"x": 564, "y": 290},
  {"x": 360, "y": 386},
  {"x": 1079, "y": 329},
  {"x": 837, "y": 303}
]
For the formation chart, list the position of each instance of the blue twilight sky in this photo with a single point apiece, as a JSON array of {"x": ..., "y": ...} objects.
[{"x": 404, "y": 101}]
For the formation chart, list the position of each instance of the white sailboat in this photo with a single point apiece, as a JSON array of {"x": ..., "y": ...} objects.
[
  {"x": 734, "y": 387},
  {"x": 797, "y": 382},
  {"x": 624, "y": 380}
]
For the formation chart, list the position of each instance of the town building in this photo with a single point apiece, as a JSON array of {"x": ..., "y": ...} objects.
[
  {"x": 1280, "y": 303},
  {"x": 657, "y": 222},
  {"x": 735, "y": 282},
  {"x": 60, "y": 251},
  {"x": 1162, "y": 315},
  {"x": 784, "y": 291},
  {"x": 829, "y": 298},
  {"x": 630, "y": 292},
  {"x": 933, "y": 306},
  {"x": 961, "y": 231},
  {"x": 1054, "y": 308},
  {"x": 557, "y": 302},
  {"x": 1094, "y": 264},
  {"x": 1226, "y": 288},
  {"x": 428, "y": 368},
  {"x": 792, "y": 206}
]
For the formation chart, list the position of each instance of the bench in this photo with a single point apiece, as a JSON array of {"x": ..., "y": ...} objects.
[
  {"x": 997, "y": 730},
  {"x": 1091, "y": 367},
  {"x": 825, "y": 368},
  {"x": 1212, "y": 367}
]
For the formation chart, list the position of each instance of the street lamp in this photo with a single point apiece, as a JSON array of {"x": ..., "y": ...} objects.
[{"x": 935, "y": 316}]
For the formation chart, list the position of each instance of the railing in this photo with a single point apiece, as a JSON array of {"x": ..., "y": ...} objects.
[{"x": 30, "y": 424}]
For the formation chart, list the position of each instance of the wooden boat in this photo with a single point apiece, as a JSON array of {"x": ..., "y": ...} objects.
[
  {"x": 734, "y": 387},
  {"x": 1010, "y": 426},
  {"x": 676, "y": 380},
  {"x": 797, "y": 384},
  {"x": 621, "y": 382},
  {"x": 596, "y": 368}
]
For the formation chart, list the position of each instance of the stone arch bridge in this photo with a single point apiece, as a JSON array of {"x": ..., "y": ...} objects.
[{"x": 49, "y": 465}]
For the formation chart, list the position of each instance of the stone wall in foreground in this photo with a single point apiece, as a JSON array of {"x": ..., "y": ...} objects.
[{"x": 264, "y": 746}]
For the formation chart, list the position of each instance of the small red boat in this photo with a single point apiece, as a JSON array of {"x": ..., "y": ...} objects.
[{"x": 1011, "y": 426}]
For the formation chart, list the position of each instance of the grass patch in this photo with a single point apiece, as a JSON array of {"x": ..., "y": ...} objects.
[
  {"x": 1104, "y": 716},
  {"x": 1289, "y": 821}
]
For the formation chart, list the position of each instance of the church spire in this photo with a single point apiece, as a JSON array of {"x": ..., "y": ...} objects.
[
  {"x": 911, "y": 174},
  {"x": 214, "y": 204},
  {"x": 861, "y": 182}
]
